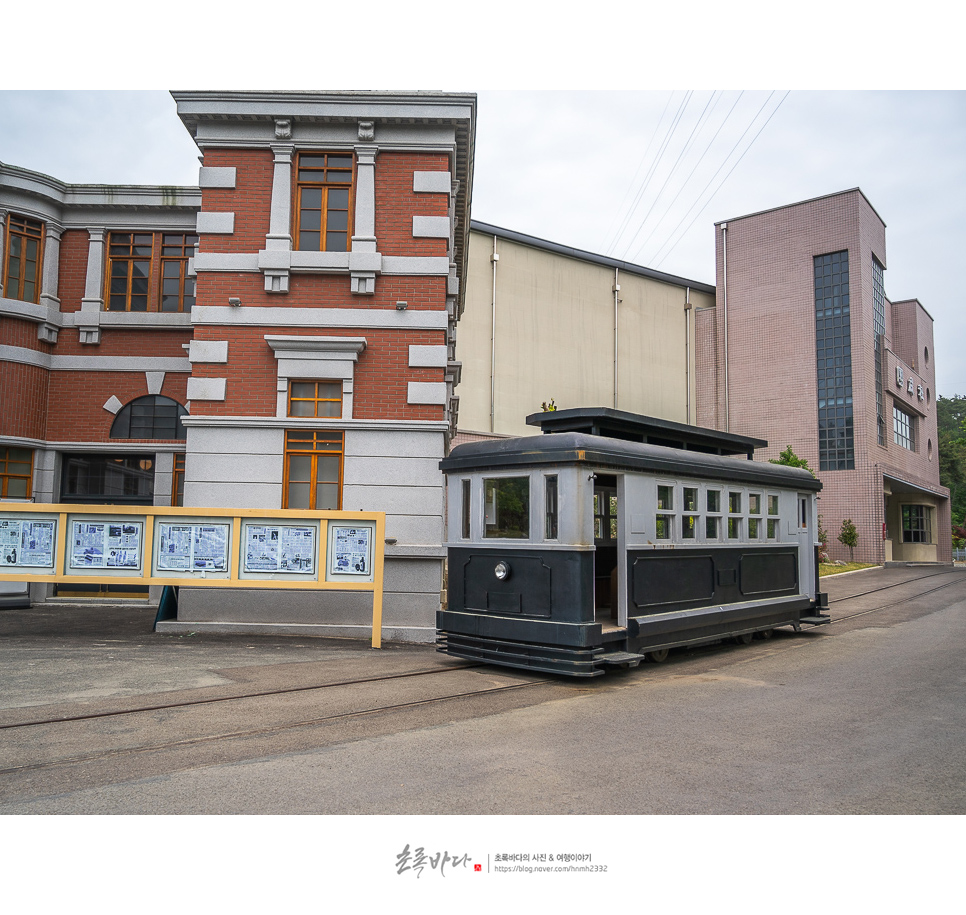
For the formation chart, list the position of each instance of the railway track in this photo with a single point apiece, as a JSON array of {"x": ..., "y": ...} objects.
[{"x": 260, "y": 717}]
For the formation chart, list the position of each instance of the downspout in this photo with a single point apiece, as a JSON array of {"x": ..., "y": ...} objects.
[
  {"x": 494, "y": 257},
  {"x": 724, "y": 291},
  {"x": 617, "y": 300},
  {"x": 687, "y": 354}
]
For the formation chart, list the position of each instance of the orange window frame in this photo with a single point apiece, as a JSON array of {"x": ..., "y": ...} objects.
[
  {"x": 313, "y": 444},
  {"x": 306, "y": 399},
  {"x": 24, "y": 230},
  {"x": 177, "y": 480},
  {"x": 16, "y": 465},
  {"x": 315, "y": 174}
]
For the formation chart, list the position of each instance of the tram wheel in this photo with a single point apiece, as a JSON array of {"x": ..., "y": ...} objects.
[
  {"x": 658, "y": 656},
  {"x": 766, "y": 633},
  {"x": 745, "y": 638}
]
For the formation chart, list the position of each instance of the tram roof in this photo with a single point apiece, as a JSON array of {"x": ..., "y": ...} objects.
[
  {"x": 615, "y": 454},
  {"x": 635, "y": 427}
]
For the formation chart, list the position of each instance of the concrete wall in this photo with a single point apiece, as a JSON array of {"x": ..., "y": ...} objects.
[{"x": 555, "y": 336}]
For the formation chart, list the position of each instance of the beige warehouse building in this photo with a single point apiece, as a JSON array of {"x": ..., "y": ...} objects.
[{"x": 545, "y": 322}]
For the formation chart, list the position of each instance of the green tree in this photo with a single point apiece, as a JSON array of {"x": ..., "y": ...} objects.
[
  {"x": 849, "y": 536},
  {"x": 788, "y": 458},
  {"x": 951, "y": 420}
]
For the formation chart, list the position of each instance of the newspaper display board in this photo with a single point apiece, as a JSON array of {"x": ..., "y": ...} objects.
[
  {"x": 214, "y": 547},
  {"x": 193, "y": 547},
  {"x": 113, "y": 544},
  {"x": 350, "y": 551},
  {"x": 282, "y": 548},
  {"x": 27, "y": 542}
]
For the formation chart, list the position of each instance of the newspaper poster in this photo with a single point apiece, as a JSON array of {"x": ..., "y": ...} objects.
[
  {"x": 280, "y": 548},
  {"x": 24, "y": 542},
  {"x": 106, "y": 544},
  {"x": 193, "y": 547},
  {"x": 351, "y": 551}
]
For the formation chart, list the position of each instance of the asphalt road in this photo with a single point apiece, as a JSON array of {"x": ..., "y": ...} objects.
[{"x": 867, "y": 716}]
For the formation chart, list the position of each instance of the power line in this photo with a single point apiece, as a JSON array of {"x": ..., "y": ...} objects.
[
  {"x": 652, "y": 169},
  {"x": 723, "y": 180}
]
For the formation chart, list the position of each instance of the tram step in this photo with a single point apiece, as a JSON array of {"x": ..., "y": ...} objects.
[
  {"x": 815, "y": 620},
  {"x": 619, "y": 659}
]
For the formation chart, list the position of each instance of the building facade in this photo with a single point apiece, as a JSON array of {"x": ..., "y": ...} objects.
[
  {"x": 281, "y": 336},
  {"x": 804, "y": 349},
  {"x": 546, "y": 322}
]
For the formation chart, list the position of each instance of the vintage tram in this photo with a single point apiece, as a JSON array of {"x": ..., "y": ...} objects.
[{"x": 614, "y": 537}]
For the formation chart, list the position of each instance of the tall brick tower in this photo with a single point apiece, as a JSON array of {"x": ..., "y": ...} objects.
[{"x": 332, "y": 243}]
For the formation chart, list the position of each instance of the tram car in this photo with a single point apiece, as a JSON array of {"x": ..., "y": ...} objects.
[{"x": 612, "y": 538}]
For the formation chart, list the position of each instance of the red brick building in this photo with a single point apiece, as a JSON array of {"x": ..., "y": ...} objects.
[{"x": 280, "y": 336}]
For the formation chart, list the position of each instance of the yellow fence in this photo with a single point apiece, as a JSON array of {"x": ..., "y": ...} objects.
[{"x": 196, "y": 547}]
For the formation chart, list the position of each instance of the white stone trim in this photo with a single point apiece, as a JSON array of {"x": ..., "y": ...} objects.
[
  {"x": 421, "y": 356},
  {"x": 427, "y": 392},
  {"x": 432, "y": 182},
  {"x": 208, "y": 351},
  {"x": 56, "y": 363},
  {"x": 155, "y": 381},
  {"x": 217, "y": 176},
  {"x": 113, "y": 405},
  {"x": 277, "y": 316},
  {"x": 215, "y": 223},
  {"x": 431, "y": 227},
  {"x": 207, "y": 388},
  {"x": 317, "y": 358},
  {"x": 415, "y": 266},
  {"x": 226, "y": 263}
]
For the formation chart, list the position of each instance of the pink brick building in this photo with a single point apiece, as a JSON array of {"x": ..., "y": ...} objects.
[{"x": 804, "y": 349}]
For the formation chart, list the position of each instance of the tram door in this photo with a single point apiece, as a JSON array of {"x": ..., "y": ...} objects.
[
  {"x": 606, "y": 530},
  {"x": 806, "y": 545}
]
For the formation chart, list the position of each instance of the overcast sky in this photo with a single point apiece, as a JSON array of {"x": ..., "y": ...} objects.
[{"x": 639, "y": 175}]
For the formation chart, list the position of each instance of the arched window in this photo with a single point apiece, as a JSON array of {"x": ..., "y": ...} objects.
[{"x": 152, "y": 416}]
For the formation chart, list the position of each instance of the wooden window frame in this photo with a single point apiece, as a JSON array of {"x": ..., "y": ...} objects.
[
  {"x": 188, "y": 244},
  {"x": 177, "y": 479},
  {"x": 307, "y": 442},
  {"x": 325, "y": 186},
  {"x": 156, "y": 261},
  {"x": 315, "y": 399},
  {"x": 6, "y": 476},
  {"x": 25, "y": 229}
]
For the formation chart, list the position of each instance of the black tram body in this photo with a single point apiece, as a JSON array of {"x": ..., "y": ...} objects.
[{"x": 576, "y": 551}]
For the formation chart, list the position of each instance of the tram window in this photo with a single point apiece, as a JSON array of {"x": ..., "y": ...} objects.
[
  {"x": 689, "y": 527},
  {"x": 754, "y": 508},
  {"x": 690, "y": 501},
  {"x": 665, "y": 498},
  {"x": 465, "y": 526},
  {"x": 772, "y": 529},
  {"x": 734, "y": 528},
  {"x": 734, "y": 503},
  {"x": 551, "y": 508},
  {"x": 712, "y": 525},
  {"x": 507, "y": 507},
  {"x": 773, "y": 505}
]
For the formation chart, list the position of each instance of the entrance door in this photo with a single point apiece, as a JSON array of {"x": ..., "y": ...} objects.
[
  {"x": 606, "y": 529},
  {"x": 806, "y": 545}
]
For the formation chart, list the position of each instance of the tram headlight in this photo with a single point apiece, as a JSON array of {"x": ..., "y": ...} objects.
[{"x": 502, "y": 570}]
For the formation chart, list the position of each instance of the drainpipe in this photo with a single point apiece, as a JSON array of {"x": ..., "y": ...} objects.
[
  {"x": 724, "y": 289},
  {"x": 687, "y": 354},
  {"x": 494, "y": 257},
  {"x": 617, "y": 289}
]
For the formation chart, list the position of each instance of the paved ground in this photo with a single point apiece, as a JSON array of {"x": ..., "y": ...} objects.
[{"x": 865, "y": 716}]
